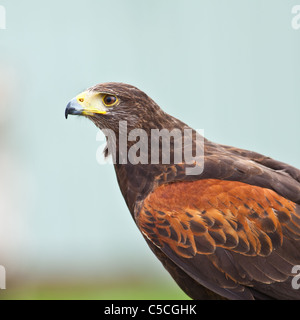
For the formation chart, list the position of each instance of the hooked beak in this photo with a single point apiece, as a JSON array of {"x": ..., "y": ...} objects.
[
  {"x": 85, "y": 104},
  {"x": 73, "y": 108}
]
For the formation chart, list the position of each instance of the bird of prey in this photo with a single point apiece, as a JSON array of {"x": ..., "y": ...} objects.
[{"x": 229, "y": 231}]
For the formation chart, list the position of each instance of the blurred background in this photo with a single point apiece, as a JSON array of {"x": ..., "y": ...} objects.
[{"x": 229, "y": 67}]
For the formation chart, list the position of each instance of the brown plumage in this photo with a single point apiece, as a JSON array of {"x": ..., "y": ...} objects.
[{"x": 232, "y": 231}]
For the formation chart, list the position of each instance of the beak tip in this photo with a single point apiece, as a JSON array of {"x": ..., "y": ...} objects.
[
  {"x": 69, "y": 109},
  {"x": 73, "y": 108}
]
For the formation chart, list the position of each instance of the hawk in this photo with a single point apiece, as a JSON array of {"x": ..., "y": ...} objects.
[{"x": 230, "y": 231}]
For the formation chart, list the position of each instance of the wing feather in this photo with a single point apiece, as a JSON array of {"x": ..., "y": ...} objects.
[{"x": 229, "y": 236}]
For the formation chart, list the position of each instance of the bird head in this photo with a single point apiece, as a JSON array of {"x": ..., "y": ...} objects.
[{"x": 107, "y": 104}]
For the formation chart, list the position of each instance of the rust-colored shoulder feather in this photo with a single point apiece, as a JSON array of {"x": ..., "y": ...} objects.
[{"x": 226, "y": 235}]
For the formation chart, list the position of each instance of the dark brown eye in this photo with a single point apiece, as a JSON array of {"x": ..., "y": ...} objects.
[{"x": 109, "y": 100}]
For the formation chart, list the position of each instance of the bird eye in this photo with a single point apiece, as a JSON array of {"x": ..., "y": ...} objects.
[{"x": 109, "y": 100}]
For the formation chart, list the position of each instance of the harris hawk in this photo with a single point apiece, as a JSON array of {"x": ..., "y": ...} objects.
[{"x": 231, "y": 231}]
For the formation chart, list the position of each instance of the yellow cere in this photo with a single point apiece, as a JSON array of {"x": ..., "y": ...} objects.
[{"x": 91, "y": 103}]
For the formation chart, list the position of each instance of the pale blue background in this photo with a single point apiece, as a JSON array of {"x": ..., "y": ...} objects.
[{"x": 229, "y": 67}]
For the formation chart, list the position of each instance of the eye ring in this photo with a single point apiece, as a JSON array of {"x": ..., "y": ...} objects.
[{"x": 109, "y": 100}]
